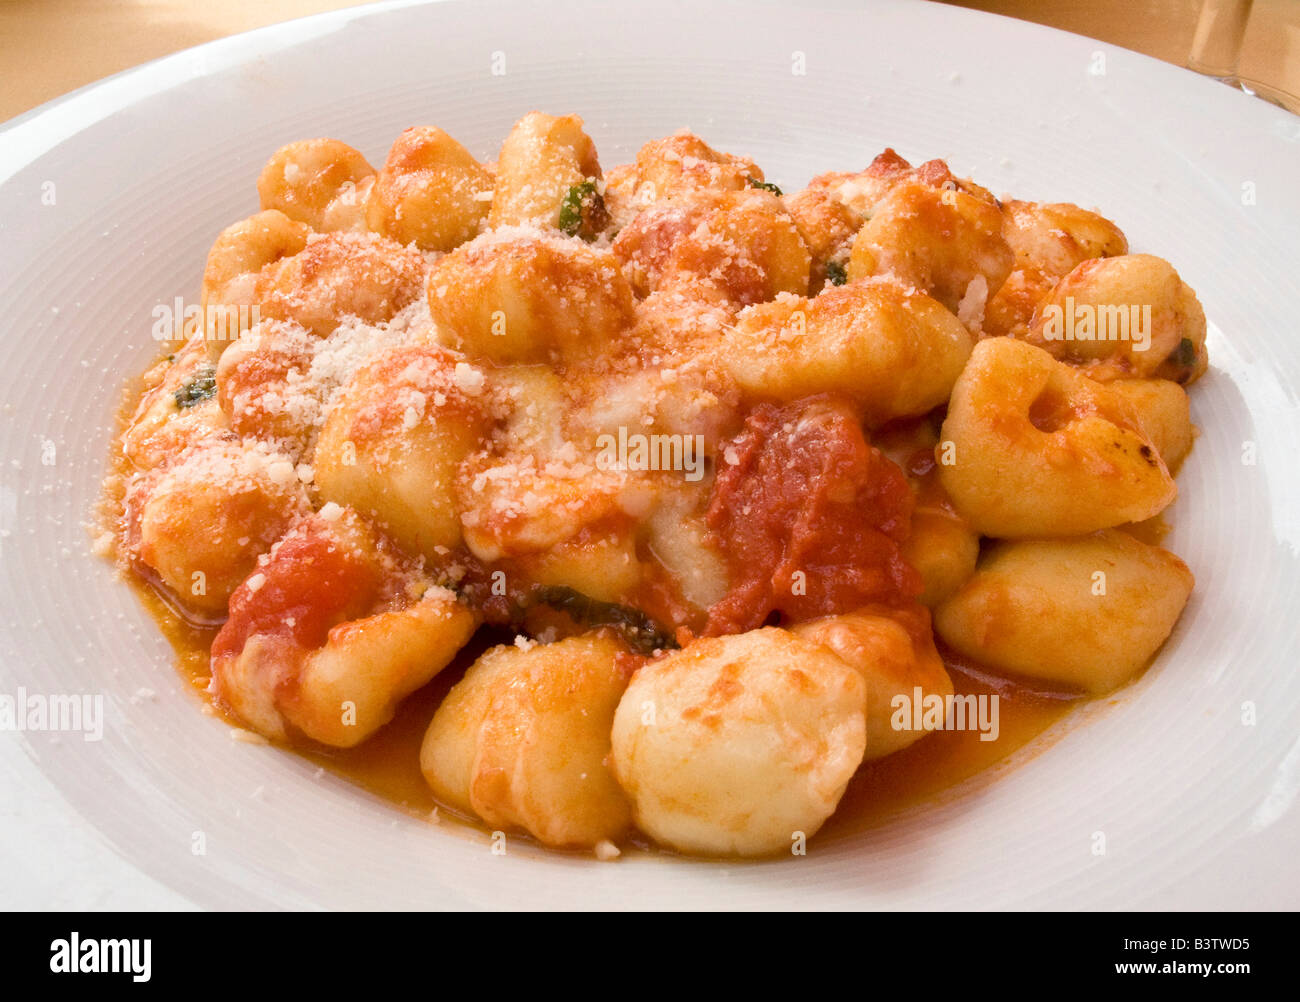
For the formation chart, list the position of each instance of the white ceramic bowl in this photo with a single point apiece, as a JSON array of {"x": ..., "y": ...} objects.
[{"x": 1198, "y": 809}]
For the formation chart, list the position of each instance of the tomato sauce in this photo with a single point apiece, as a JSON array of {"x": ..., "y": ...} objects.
[
  {"x": 310, "y": 583},
  {"x": 811, "y": 518}
]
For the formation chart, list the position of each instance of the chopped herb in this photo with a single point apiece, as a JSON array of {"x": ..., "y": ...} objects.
[
  {"x": 1185, "y": 353},
  {"x": 765, "y": 185},
  {"x": 171, "y": 358},
  {"x": 641, "y": 633},
  {"x": 582, "y": 213},
  {"x": 836, "y": 273},
  {"x": 198, "y": 389}
]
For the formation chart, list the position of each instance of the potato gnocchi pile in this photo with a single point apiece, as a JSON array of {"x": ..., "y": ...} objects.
[{"x": 715, "y": 462}]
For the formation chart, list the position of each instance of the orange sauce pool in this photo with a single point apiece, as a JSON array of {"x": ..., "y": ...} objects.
[
  {"x": 940, "y": 761},
  {"x": 387, "y": 764}
]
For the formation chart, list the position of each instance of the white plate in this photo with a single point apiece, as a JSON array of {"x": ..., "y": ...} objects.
[{"x": 1197, "y": 808}]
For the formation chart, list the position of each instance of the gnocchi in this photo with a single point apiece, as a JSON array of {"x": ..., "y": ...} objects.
[
  {"x": 524, "y": 740},
  {"x": 1088, "y": 612},
  {"x": 331, "y": 631},
  {"x": 944, "y": 241},
  {"x": 619, "y": 506},
  {"x": 1034, "y": 448},
  {"x": 431, "y": 192},
  {"x": 339, "y": 275},
  {"x": 201, "y": 522},
  {"x": 735, "y": 745},
  {"x": 317, "y": 182},
  {"x": 394, "y": 440},
  {"x": 1124, "y": 316},
  {"x": 893, "y": 651},
  {"x": 176, "y": 408},
  {"x": 1054, "y": 238},
  {"x": 238, "y": 259},
  {"x": 527, "y": 297},
  {"x": 895, "y": 352},
  {"x": 736, "y": 247},
  {"x": 547, "y": 175}
]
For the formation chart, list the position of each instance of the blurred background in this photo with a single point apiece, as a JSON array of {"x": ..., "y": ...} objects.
[{"x": 49, "y": 47}]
